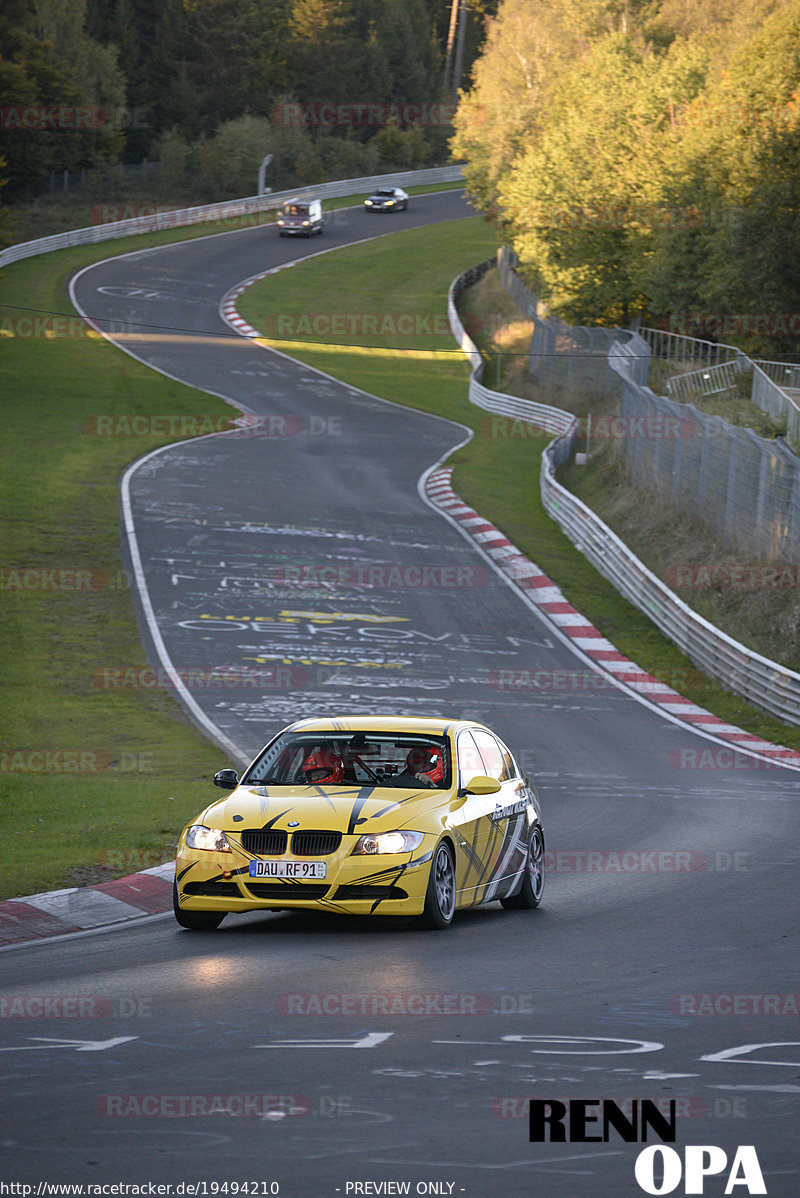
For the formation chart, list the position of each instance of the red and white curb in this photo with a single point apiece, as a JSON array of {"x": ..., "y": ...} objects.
[
  {"x": 228, "y": 306},
  {"x": 546, "y": 596},
  {"x": 40, "y": 916}
]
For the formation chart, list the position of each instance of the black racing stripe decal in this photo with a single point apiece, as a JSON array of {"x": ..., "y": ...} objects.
[
  {"x": 487, "y": 868},
  {"x": 473, "y": 860},
  {"x": 265, "y": 827},
  {"x": 339, "y": 795},
  {"x": 513, "y": 832},
  {"x": 355, "y": 815},
  {"x": 390, "y": 873},
  {"x": 398, "y": 873}
]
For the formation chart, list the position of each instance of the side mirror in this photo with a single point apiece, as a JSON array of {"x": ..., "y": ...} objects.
[
  {"x": 227, "y": 779},
  {"x": 481, "y": 784}
]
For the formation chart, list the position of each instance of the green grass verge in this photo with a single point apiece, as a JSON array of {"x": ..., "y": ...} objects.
[
  {"x": 498, "y": 472},
  {"x": 94, "y": 782}
]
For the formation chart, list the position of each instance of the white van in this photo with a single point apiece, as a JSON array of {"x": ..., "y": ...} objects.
[{"x": 300, "y": 218}]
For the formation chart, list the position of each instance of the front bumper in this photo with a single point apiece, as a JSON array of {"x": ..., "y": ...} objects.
[{"x": 392, "y": 884}]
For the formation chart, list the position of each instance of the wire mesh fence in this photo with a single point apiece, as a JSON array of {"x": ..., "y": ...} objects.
[
  {"x": 768, "y": 684},
  {"x": 745, "y": 486},
  {"x": 560, "y": 354}
]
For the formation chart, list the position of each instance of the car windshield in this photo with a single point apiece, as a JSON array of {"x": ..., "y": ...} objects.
[
  {"x": 410, "y": 761},
  {"x": 385, "y": 192}
]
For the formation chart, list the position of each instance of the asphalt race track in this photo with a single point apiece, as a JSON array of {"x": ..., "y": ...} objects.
[{"x": 311, "y": 1056}]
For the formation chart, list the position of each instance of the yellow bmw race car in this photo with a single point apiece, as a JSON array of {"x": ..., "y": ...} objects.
[{"x": 366, "y": 815}]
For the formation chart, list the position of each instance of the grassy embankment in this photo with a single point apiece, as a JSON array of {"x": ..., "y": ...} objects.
[
  {"x": 94, "y": 782},
  {"x": 755, "y": 603}
]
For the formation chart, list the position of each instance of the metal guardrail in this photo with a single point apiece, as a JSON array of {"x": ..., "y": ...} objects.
[
  {"x": 717, "y": 371},
  {"x": 226, "y": 212},
  {"x": 677, "y": 347},
  {"x": 767, "y": 684},
  {"x": 550, "y": 420},
  {"x": 773, "y": 384},
  {"x": 709, "y": 380}
]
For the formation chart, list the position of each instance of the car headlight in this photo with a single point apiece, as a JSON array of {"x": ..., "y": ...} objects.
[
  {"x": 212, "y": 839},
  {"x": 387, "y": 842}
]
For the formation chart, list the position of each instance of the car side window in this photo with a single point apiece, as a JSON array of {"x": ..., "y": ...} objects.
[
  {"x": 512, "y": 769},
  {"x": 470, "y": 762},
  {"x": 494, "y": 761}
]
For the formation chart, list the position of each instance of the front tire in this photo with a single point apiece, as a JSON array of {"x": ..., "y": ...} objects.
[
  {"x": 532, "y": 889},
  {"x": 440, "y": 900},
  {"x": 195, "y": 921}
]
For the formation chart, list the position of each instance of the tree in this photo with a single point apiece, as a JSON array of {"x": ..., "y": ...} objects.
[
  {"x": 71, "y": 89},
  {"x": 737, "y": 160},
  {"x": 643, "y": 158},
  {"x": 528, "y": 45},
  {"x": 581, "y": 205},
  {"x": 229, "y": 161}
]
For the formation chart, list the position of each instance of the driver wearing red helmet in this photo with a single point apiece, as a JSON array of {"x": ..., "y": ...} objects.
[
  {"x": 426, "y": 764},
  {"x": 323, "y": 767}
]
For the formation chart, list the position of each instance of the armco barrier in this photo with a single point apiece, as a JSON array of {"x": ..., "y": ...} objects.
[
  {"x": 550, "y": 420},
  {"x": 767, "y": 684},
  {"x": 228, "y": 210}
]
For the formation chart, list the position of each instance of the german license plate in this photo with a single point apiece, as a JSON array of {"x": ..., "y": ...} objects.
[{"x": 288, "y": 869}]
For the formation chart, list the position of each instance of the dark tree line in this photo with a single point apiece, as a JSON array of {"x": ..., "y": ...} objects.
[{"x": 181, "y": 70}]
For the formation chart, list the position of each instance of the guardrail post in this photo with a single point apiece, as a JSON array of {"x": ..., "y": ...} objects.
[{"x": 731, "y": 485}]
